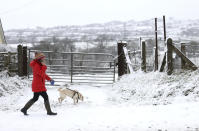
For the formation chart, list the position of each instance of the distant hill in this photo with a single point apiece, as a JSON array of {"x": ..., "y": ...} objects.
[{"x": 113, "y": 30}]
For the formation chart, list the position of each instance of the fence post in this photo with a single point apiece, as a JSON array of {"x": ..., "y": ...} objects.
[
  {"x": 140, "y": 42},
  {"x": 156, "y": 46},
  {"x": 9, "y": 62},
  {"x": 20, "y": 60},
  {"x": 25, "y": 61},
  {"x": 29, "y": 63},
  {"x": 122, "y": 65},
  {"x": 114, "y": 71},
  {"x": 71, "y": 70},
  {"x": 135, "y": 56},
  {"x": 164, "y": 26},
  {"x": 169, "y": 56},
  {"x": 143, "y": 57},
  {"x": 49, "y": 60},
  {"x": 5, "y": 61},
  {"x": 184, "y": 52}
]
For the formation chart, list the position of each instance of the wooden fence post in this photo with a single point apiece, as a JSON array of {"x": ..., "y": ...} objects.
[
  {"x": 5, "y": 57},
  {"x": 184, "y": 52},
  {"x": 20, "y": 60},
  {"x": 71, "y": 70},
  {"x": 164, "y": 26},
  {"x": 29, "y": 63},
  {"x": 143, "y": 57},
  {"x": 156, "y": 46},
  {"x": 122, "y": 65},
  {"x": 9, "y": 61},
  {"x": 135, "y": 56},
  {"x": 114, "y": 71},
  {"x": 163, "y": 62},
  {"x": 25, "y": 61},
  {"x": 140, "y": 42},
  {"x": 169, "y": 57},
  {"x": 49, "y": 60}
]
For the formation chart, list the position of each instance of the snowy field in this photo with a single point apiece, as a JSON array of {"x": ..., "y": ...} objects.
[{"x": 138, "y": 102}]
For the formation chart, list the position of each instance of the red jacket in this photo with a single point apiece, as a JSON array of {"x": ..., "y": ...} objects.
[{"x": 39, "y": 76}]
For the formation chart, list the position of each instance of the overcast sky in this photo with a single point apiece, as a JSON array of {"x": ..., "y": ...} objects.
[{"x": 48, "y": 13}]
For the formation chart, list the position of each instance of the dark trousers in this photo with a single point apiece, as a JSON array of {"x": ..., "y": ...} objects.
[{"x": 37, "y": 94}]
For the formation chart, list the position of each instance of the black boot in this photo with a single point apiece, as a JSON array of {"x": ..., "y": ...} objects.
[
  {"x": 48, "y": 109},
  {"x": 27, "y": 106}
]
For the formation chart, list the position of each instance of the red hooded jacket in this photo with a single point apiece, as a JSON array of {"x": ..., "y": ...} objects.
[{"x": 39, "y": 76}]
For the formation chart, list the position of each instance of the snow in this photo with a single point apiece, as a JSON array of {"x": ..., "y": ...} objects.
[
  {"x": 137, "y": 102},
  {"x": 158, "y": 88}
]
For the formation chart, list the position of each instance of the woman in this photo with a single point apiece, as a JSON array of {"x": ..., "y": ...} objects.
[{"x": 38, "y": 84}]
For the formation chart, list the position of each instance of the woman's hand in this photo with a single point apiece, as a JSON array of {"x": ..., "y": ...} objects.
[{"x": 52, "y": 82}]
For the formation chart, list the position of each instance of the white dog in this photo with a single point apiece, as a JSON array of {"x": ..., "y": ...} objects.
[{"x": 75, "y": 95}]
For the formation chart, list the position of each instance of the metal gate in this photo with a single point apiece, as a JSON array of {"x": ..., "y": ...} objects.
[{"x": 77, "y": 67}]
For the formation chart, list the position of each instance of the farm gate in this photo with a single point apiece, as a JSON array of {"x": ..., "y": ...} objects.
[{"x": 77, "y": 67}]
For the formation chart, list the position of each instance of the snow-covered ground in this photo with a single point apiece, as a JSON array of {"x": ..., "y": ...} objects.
[{"x": 138, "y": 102}]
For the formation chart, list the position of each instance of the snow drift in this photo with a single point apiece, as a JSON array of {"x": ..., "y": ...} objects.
[
  {"x": 11, "y": 89},
  {"x": 156, "y": 88},
  {"x": 11, "y": 85}
]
